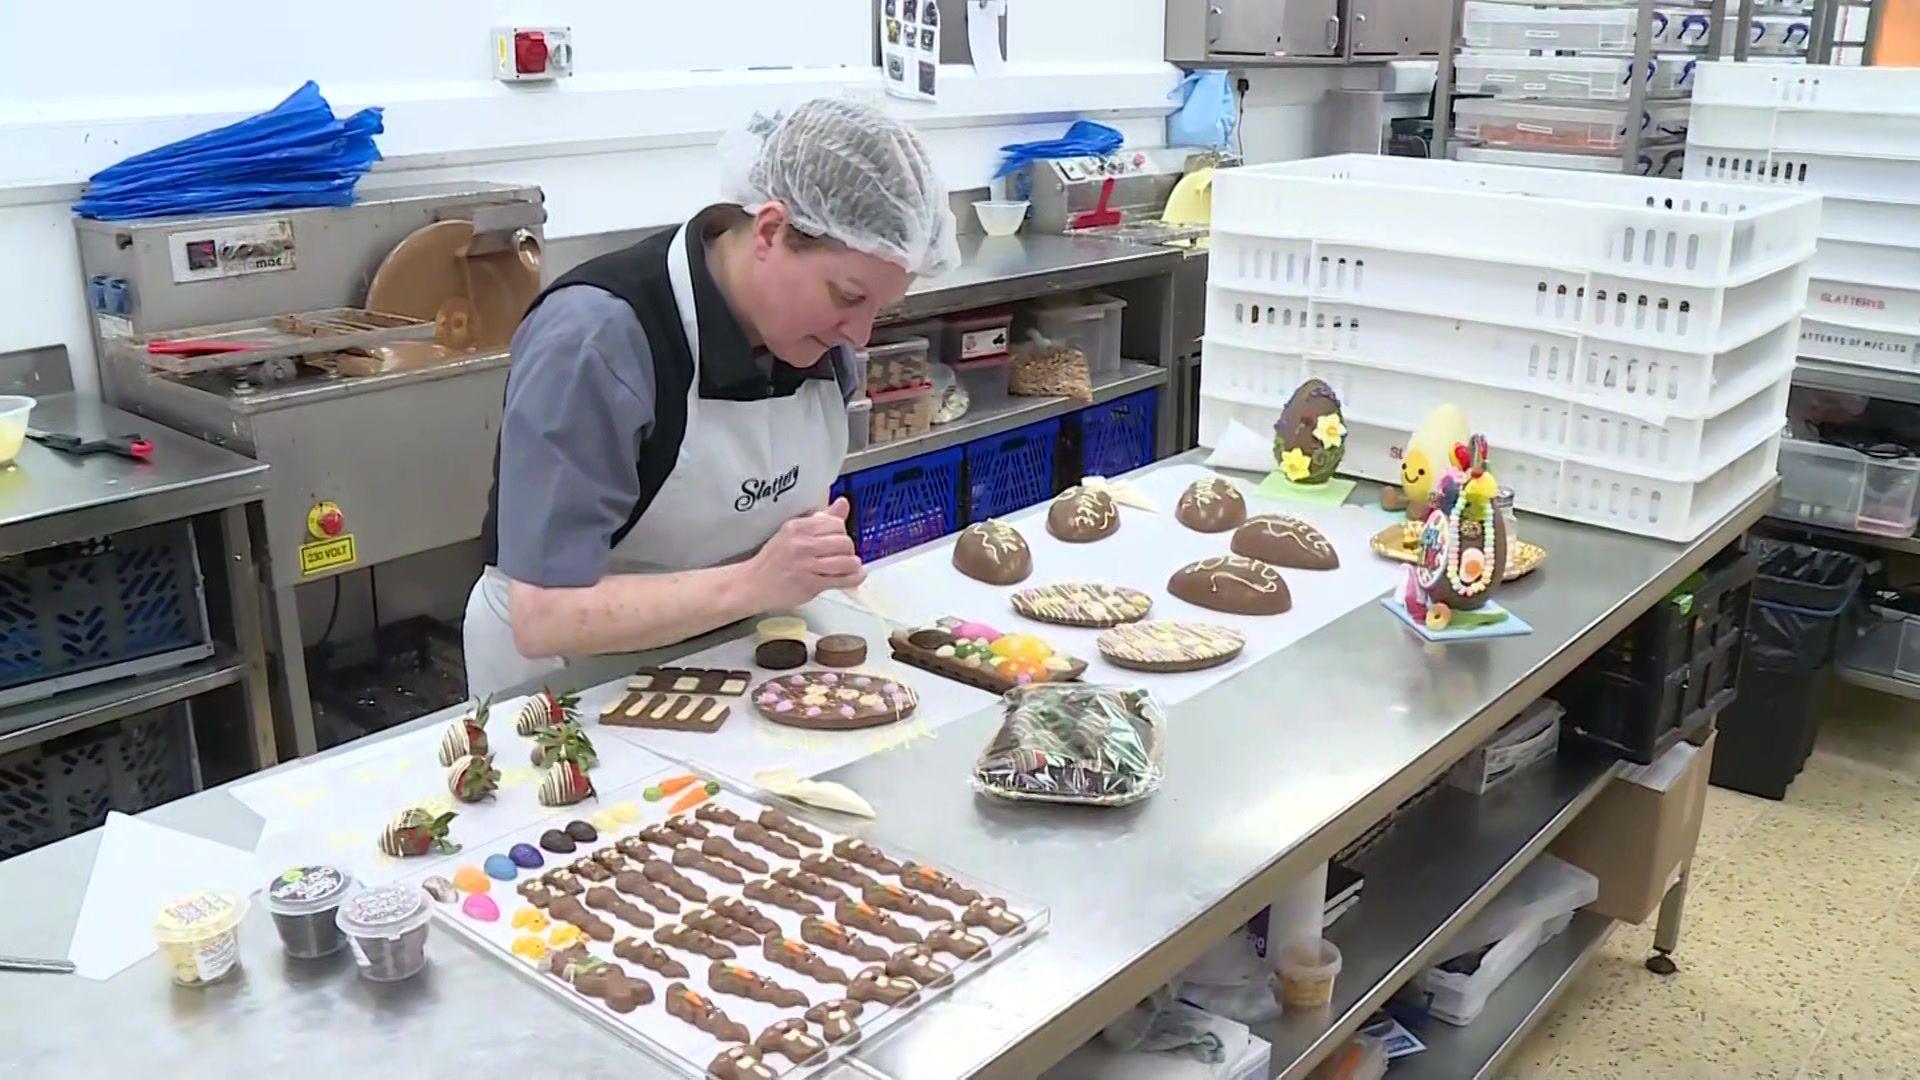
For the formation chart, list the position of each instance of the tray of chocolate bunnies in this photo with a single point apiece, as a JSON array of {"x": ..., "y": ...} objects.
[{"x": 736, "y": 939}]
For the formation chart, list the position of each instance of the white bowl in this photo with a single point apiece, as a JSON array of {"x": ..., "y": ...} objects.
[
  {"x": 1001, "y": 218},
  {"x": 13, "y": 425}
]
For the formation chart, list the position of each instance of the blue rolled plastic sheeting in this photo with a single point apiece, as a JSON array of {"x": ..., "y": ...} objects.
[
  {"x": 1084, "y": 139},
  {"x": 294, "y": 154}
]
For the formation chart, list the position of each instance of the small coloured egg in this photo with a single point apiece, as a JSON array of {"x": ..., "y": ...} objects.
[
  {"x": 653, "y": 793},
  {"x": 626, "y": 813},
  {"x": 605, "y": 821},
  {"x": 1021, "y": 647},
  {"x": 481, "y": 907},
  {"x": 532, "y": 919},
  {"x": 501, "y": 868},
  {"x": 526, "y": 856},
  {"x": 471, "y": 879},
  {"x": 975, "y": 630},
  {"x": 530, "y": 948}
]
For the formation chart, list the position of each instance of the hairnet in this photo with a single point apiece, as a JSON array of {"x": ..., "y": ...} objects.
[{"x": 848, "y": 172}]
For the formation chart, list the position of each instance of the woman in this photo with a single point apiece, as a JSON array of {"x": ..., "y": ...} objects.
[{"x": 676, "y": 410}]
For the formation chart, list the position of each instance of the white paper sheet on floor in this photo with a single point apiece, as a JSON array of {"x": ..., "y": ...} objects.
[
  {"x": 747, "y": 744},
  {"x": 1144, "y": 554},
  {"x": 335, "y": 809},
  {"x": 138, "y": 867}
]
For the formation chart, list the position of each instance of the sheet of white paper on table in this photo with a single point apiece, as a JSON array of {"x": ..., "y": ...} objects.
[
  {"x": 138, "y": 867},
  {"x": 747, "y": 744},
  {"x": 341, "y": 806},
  {"x": 1144, "y": 554}
]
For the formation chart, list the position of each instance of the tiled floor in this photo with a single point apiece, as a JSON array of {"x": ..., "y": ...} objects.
[{"x": 1800, "y": 954}]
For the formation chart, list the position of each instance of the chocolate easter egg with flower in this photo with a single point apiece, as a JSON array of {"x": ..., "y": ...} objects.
[{"x": 1310, "y": 437}]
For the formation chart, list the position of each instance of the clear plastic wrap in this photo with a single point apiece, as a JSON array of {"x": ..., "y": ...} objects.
[
  {"x": 1074, "y": 743},
  {"x": 954, "y": 401}
]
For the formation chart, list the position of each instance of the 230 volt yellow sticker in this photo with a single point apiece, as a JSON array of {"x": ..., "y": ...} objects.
[{"x": 326, "y": 555}]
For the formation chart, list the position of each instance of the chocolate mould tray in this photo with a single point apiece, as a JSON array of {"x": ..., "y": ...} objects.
[{"x": 686, "y": 1049}]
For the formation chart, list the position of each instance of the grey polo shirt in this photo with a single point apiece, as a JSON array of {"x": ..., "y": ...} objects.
[{"x": 580, "y": 402}]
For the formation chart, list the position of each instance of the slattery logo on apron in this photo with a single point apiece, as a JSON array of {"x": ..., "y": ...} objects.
[{"x": 754, "y": 490}]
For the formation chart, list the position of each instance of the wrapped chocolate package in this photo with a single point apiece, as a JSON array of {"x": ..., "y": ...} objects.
[{"x": 1071, "y": 743}]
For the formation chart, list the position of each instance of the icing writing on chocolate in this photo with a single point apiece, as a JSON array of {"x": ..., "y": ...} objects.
[
  {"x": 1257, "y": 576},
  {"x": 754, "y": 490},
  {"x": 997, "y": 540},
  {"x": 1282, "y": 527}
]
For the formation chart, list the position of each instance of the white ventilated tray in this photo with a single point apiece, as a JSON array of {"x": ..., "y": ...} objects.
[
  {"x": 1844, "y": 344},
  {"x": 1254, "y": 298},
  {"x": 1873, "y": 264},
  {"x": 1632, "y": 379},
  {"x": 674, "y": 1044},
  {"x": 1542, "y": 159},
  {"x": 1867, "y": 178},
  {"x": 1822, "y": 88},
  {"x": 1643, "y": 229},
  {"x": 1504, "y": 26},
  {"x": 1872, "y": 307}
]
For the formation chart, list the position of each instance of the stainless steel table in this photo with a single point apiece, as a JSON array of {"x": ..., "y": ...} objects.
[
  {"x": 1269, "y": 773},
  {"x": 49, "y": 498}
]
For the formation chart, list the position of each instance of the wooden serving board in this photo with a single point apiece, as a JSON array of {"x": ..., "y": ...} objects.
[{"x": 981, "y": 678}]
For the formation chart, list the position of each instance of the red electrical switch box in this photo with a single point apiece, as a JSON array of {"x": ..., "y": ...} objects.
[{"x": 526, "y": 53}]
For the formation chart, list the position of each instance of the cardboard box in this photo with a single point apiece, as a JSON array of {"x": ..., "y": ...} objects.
[{"x": 1638, "y": 833}]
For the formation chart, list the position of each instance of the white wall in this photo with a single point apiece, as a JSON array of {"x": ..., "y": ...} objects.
[{"x": 625, "y": 143}]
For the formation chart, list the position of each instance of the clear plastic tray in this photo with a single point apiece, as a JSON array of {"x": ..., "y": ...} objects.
[
  {"x": 1842, "y": 488},
  {"x": 1529, "y": 29},
  {"x": 1092, "y": 326},
  {"x": 1529, "y": 126},
  {"x": 676, "y": 1045},
  {"x": 1516, "y": 75}
]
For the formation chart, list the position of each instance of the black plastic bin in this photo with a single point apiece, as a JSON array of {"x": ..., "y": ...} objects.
[
  {"x": 1665, "y": 677},
  {"x": 1802, "y": 600}
]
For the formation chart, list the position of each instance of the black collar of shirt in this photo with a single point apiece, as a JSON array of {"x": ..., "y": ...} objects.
[{"x": 731, "y": 369}]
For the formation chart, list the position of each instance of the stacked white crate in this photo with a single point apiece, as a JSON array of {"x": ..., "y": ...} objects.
[
  {"x": 1851, "y": 135},
  {"x": 1625, "y": 343}
]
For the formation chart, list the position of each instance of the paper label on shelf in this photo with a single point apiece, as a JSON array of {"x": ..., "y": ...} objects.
[
  {"x": 983, "y": 343},
  {"x": 112, "y": 326},
  {"x": 326, "y": 555}
]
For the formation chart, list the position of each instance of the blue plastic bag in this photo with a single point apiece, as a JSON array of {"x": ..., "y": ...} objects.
[
  {"x": 1084, "y": 139},
  {"x": 1207, "y": 115},
  {"x": 294, "y": 154}
]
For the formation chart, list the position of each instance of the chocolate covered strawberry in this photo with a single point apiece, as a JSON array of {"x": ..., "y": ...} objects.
[
  {"x": 473, "y": 778},
  {"x": 417, "y": 832},
  {"x": 566, "y": 783},
  {"x": 564, "y": 742},
  {"x": 467, "y": 737},
  {"x": 544, "y": 710}
]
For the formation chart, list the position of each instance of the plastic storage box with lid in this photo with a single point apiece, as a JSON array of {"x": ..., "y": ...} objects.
[
  {"x": 901, "y": 363},
  {"x": 1533, "y": 908},
  {"x": 1533, "y": 126},
  {"x": 1529, "y": 738},
  {"x": 1565, "y": 77},
  {"x": 976, "y": 336},
  {"x": 1843, "y": 488},
  {"x": 1507, "y": 26},
  {"x": 859, "y": 424},
  {"x": 1091, "y": 324},
  {"x": 901, "y": 414}
]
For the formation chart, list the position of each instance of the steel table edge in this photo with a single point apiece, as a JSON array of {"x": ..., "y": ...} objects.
[
  {"x": 98, "y": 519},
  {"x": 1052, "y": 1041}
]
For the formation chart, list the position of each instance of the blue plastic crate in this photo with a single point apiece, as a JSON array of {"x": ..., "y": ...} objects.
[
  {"x": 83, "y": 613},
  {"x": 1119, "y": 436},
  {"x": 905, "y": 504},
  {"x": 1010, "y": 471}
]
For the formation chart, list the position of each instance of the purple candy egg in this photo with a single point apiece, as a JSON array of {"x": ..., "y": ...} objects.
[{"x": 526, "y": 856}]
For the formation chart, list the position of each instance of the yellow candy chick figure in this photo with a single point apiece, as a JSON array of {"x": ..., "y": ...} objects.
[{"x": 1425, "y": 460}]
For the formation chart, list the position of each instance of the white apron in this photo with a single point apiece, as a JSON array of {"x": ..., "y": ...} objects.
[{"x": 743, "y": 469}]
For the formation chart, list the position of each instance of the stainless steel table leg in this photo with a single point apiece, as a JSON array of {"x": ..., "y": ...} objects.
[
  {"x": 293, "y": 671},
  {"x": 1666, "y": 933},
  {"x": 243, "y": 589}
]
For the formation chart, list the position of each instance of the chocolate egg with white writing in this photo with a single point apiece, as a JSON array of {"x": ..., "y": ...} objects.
[
  {"x": 1234, "y": 584},
  {"x": 992, "y": 552}
]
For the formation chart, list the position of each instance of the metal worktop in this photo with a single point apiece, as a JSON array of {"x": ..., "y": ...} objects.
[
  {"x": 1268, "y": 773},
  {"x": 1001, "y": 269},
  {"x": 48, "y": 497}
]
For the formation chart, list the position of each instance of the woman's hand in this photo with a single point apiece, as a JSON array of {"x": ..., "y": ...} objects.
[{"x": 809, "y": 555}]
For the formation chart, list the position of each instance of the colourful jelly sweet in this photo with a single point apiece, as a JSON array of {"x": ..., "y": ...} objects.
[
  {"x": 531, "y": 919},
  {"x": 975, "y": 631},
  {"x": 566, "y": 935},
  {"x": 530, "y": 948},
  {"x": 1021, "y": 647}
]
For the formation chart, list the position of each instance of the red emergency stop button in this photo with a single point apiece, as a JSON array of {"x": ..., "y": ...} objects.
[
  {"x": 325, "y": 521},
  {"x": 331, "y": 523},
  {"x": 529, "y": 52}
]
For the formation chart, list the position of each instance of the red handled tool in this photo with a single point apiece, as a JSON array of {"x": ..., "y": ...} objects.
[{"x": 132, "y": 447}]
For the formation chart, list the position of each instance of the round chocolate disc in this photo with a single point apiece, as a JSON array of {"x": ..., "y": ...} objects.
[
  {"x": 841, "y": 650},
  {"x": 992, "y": 552},
  {"x": 1234, "y": 584},
  {"x": 556, "y": 841},
  {"x": 780, "y": 654},
  {"x": 1082, "y": 604},
  {"x": 1080, "y": 516},
  {"x": 1211, "y": 505},
  {"x": 1165, "y": 645},
  {"x": 834, "y": 700}
]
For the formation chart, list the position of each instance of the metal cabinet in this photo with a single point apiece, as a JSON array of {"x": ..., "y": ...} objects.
[
  {"x": 1384, "y": 29},
  {"x": 1257, "y": 33}
]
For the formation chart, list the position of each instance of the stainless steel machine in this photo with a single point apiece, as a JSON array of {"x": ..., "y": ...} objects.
[
  {"x": 1124, "y": 195},
  {"x": 359, "y": 351}
]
